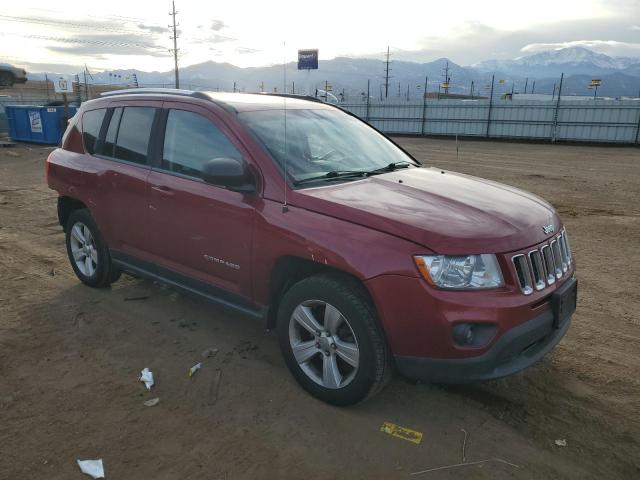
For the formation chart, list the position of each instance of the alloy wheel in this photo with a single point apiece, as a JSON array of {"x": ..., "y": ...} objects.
[
  {"x": 83, "y": 249},
  {"x": 323, "y": 344}
]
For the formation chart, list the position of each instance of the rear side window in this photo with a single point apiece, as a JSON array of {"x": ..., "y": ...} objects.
[
  {"x": 91, "y": 125},
  {"x": 132, "y": 141},
  {"x": 109, "y": 144},
  {"x": 190, "y": 141}
]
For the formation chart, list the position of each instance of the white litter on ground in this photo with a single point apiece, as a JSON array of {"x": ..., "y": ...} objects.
[
  {"x": 561, "y": 443},
  {"x": 92, "y": 468},
  {"x": 194, "y": 369},
  {"x": 153, "y": 402},
  {"x": 146, "y": 376}
]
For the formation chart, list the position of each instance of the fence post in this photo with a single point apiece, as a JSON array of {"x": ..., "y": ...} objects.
[
  {"x": 554, "y": 129},
  {"x": 638, "y": 127},
  {"x": 424, "y": 104},
  {"x": 46, "y": 85},
  {"x": 490, "y": 106},
  {"x": 367, "y": 115}
]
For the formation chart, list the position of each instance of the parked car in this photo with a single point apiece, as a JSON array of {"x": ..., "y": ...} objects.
[
  {"x": 10, "y": 75},
  {"x": 305, "y": 217}
]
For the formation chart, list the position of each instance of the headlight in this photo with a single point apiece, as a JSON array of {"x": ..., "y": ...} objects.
[{"x": 460, "y": 271}]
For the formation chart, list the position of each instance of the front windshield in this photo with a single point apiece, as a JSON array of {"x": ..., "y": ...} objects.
[{"x": 322, "y": 141}]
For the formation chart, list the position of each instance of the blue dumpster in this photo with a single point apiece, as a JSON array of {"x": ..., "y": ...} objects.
[{"x": 37, "y": 124}]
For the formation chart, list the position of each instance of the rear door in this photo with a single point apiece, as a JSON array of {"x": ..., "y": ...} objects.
[
  {"x": 197, "y": 229},
  {"x": 124, "y": 150}
]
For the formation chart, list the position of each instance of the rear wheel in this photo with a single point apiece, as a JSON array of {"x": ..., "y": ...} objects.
[
  {"x": 331, "y": 340},
  {"x": 88, "y": 254}
]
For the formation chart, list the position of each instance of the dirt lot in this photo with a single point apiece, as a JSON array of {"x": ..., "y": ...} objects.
[{"x": 70, "y": 357}]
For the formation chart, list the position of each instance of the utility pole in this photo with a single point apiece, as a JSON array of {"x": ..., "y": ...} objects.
[
  {"x": 398, "y": 89},
  {"x": 471, "y": 89},
  {"x": 526, "y": 84},
  {"x": 407, "y": 92},
  {"x": 533, "y": 88},
  {"x": 173, "y": 14},
  {"x": 386, "y": 75},
  {"x": 553, "y": 95},
  {"x": 445, "y": 85},
  {"x": 79, "y": 94}
]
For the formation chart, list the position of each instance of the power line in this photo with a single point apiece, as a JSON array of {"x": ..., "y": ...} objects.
[{"x": 173, "y": 14}]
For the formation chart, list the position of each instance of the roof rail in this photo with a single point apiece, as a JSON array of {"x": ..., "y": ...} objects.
[
  {"x": 295, "y": 95},
  {"x": 156, "y": 91}
]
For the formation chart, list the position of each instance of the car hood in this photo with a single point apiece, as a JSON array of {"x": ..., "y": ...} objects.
[{"x": 447, "y": 212}]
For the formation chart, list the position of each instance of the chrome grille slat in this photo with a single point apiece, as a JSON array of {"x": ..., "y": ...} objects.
[
  {"x": 557, "y": 261},
  {"x": 548, "y": 264},
  {"x": 537, "y": 269},
  {"x": 523, "y": 273},
  {"x": 563, "y": 253},
  {"x": 543, "y": 266},
  {"x": 566, "y": 242}
]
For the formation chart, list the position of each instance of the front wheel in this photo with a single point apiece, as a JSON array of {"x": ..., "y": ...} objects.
[
  {"x": 88, "y": 254},
  {"x": 331, "y": 340}
]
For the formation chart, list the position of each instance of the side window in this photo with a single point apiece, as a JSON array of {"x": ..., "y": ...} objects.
[
  {"x": 91, "y": 125},
  {"x": 110, "y": 139},
  {"x": 132, "y": 143},
  {"x": 191, "y": 140}
]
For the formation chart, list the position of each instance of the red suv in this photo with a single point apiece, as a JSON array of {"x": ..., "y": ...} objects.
[{"x": 303, "y": 216}]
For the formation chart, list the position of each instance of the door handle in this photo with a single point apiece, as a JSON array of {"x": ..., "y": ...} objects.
[{"x": 164, "y": 190}]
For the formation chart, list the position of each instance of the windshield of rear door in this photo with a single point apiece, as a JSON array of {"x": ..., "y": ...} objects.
[{"x": 321, "y": 141}]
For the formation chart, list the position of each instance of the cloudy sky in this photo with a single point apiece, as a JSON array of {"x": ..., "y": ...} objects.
[{"x": 64, "y": 36}]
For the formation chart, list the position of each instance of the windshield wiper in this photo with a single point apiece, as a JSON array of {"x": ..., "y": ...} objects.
[
  {"x": 333, "y": 174},
  {"x": 390, "y": 167}
]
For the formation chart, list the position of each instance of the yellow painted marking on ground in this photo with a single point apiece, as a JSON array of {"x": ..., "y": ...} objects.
[{"x": 401, "y": 432}]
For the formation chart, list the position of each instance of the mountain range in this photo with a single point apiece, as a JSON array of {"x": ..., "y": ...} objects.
[{"x": 620, "y": 75}]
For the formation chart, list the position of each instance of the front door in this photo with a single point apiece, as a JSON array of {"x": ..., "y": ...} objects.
[{"x": 197, "y": 229}]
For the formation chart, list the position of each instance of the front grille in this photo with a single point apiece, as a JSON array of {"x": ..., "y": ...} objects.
[{"x": 544, "y": 265}]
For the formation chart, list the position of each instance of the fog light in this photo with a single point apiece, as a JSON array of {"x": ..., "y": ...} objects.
[
  {"x": 473, "y": 334},
  {"x": 463, "y": 334}
]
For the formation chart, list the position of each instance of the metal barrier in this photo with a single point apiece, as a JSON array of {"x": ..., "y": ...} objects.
[{"x": 597, "y": 121}]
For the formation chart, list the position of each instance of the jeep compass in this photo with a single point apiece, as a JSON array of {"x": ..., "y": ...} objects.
[{"x": 305, "y": 217}]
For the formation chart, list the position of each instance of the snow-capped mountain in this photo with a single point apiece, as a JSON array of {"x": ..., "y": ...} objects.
[
  {"x": 620, "y": 76},
  {"x": 550, "y": 63}
]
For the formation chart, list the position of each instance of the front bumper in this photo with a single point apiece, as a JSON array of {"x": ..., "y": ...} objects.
[{"x": 516, "y": 350}]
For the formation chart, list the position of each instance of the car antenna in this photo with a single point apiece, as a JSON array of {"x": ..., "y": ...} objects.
[{"x": 285, "y": 206}]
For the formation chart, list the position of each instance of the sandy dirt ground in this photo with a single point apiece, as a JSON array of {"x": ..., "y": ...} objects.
[{"x": 70, "y": 357}]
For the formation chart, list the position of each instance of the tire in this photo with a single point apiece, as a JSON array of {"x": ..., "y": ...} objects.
[
  {"x": 92, "y": 261},
  {"x": 346, "y": 339}
]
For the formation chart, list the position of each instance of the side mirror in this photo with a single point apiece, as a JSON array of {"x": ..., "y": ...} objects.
[{"x": 228, "y": 172}]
